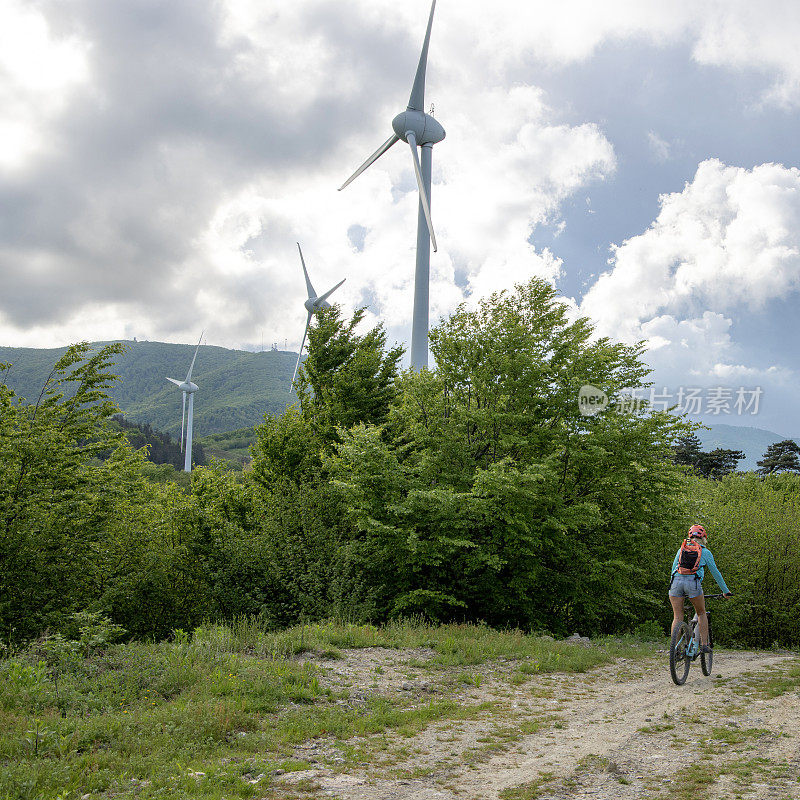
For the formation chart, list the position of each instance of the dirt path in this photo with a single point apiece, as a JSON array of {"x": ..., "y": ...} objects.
[{"x": 620, "y": 731}]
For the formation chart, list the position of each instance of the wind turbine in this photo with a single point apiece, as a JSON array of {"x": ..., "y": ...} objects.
[
  {"x": 313, "y": 304},
  {"x": 417, "y": 129},
  {"x": 187, "y": 387}
]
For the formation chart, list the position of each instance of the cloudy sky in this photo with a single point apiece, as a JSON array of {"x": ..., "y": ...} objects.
[{"x": 160, "y": 158}]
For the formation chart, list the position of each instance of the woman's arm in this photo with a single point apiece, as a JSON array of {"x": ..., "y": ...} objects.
[{"x": 712, "y": 565}]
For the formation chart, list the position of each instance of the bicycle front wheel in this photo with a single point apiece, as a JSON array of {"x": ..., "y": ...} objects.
[
  {"x": 707, "y": 659},
  {"x": 679, "y": 662}
]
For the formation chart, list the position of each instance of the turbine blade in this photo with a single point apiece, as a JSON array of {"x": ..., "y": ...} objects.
[
  {"x": 191, "y": 366},
  {"x": 374, "y": 157},
  {"x": 331, "y": 291},
  {"x": 423, "y": 195},
  {"x": 312, "y": 293},
  {"x": 300, "y": 352},
  {"x": 183, "y": 417},
  {"x": 417, "y": 100},
  {"x": 172, "y": 380}
]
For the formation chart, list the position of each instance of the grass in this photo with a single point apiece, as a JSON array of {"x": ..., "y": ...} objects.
[
  {"x": 657, "y": 727},
  {"x": 502, "y": 737},
  {"x": 546, "y": 781},
  {"x": 696, "y": 779},
  {"x": 453, "y": 645},
  {"x": 530, "y": 790},
  {"x": 217, "y": 712},
  {"x": 778, "y": 681},
  {"x": 722, "y": 737},
  {"x": 594, "y": 764}
]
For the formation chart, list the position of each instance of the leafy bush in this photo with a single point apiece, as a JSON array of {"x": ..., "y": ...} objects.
[
  {"x": 488, "y": 496},
  {"x": 754, "y": 533}
]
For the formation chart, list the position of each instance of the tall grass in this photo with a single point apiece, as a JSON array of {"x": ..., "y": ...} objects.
[{"x": 453, "y": 645}]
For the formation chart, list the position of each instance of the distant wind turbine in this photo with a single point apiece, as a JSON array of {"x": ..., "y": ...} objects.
[
  {"x": 417, "y": 129},
  {"x": 313, "y": 304},
  {"x": 187, "y": 387}
]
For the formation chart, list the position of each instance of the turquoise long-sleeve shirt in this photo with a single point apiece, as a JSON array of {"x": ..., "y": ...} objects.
[{"x": 706, "y": 560}]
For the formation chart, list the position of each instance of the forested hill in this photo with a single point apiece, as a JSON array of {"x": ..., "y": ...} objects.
[{"x": 236, "y": 387}]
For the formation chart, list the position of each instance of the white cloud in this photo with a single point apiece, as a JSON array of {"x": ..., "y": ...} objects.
[
  {"x": 730, "y": 239},
  {"x": 205, "y": 139},
  {"x": 687, "y": 347},
  {"x": 189, "y": 145},
  {"x": 763, "y": 36},
  {"x": 38, "y": 73},
  {"x": 660, "y": 148},
  {"x": 731, "y": 34},
  {"x": 482, "y": 225}
]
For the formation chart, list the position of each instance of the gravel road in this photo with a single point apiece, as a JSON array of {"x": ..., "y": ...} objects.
[{"x": 619, "y": 731}]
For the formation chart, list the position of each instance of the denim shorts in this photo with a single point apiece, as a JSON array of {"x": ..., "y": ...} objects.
[{"x": 685, "y": 585}]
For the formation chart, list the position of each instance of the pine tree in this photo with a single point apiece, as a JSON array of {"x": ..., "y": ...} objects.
[
  {"x": 780, "y": 457},
  {"x": 714, "y": 464},
  {"x": 718, "y": 463},
  {"x": 688, "y": 450}
]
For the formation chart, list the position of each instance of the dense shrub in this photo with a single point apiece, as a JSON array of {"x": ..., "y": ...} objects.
[
  {"x": 488, "y": 495},
  {"x": 754, "y": 533}
]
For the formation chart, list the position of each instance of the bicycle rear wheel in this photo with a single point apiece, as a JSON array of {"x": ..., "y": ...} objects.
[
  {"x": 707, "y": 659},
  {"x": 679, "y": 662}
]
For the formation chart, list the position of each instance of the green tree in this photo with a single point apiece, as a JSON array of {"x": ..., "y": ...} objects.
[
  {"x": 780, "y": 457},
  {"x": 718, "y": 463},
  {"x": 688, "y": 450},
  {"x": 82, "y": 529},
  {"x": 715, "y": 464},
  {"x": 347, "y": 378},
  {"x": 305, "y": 555},
  {"x": 161, "y": 448},
  {"x": 495, "y": 498},
  {"x": 55, "y": 495}
]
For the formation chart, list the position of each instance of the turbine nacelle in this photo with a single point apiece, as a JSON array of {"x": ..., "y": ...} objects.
[
  {"x": 425, "y": 128},
  {"x": 314, "y": 304},
  {"x": 184, "y": 386}
]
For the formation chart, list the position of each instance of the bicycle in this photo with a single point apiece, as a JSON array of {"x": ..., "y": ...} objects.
[{"x": 684, "y": 647}]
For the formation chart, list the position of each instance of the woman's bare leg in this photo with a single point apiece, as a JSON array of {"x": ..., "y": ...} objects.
[{"x": 677, "y": 611}]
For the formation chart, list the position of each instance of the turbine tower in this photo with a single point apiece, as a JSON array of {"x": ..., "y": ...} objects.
[
  {"x": 187, "y": 387},
  {"x": 417, "y": 129},
  {"x": 313, "y": 304}
]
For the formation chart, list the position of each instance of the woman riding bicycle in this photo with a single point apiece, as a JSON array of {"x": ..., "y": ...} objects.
[{"x": 690, "y": 584}]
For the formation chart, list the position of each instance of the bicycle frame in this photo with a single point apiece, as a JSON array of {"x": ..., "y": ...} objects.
[{"x": 693, "y": 650}]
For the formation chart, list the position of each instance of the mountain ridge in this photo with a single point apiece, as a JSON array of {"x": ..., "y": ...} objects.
[
  {"x": 753, "y": 442},
  {"x": 237, "y": 387}
]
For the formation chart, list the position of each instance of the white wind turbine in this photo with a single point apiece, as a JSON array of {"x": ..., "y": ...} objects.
[
  {"x": 187, "y": 387},
  {"x": 313, "y": 304},
  {"x": 417, "y": 129}
]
